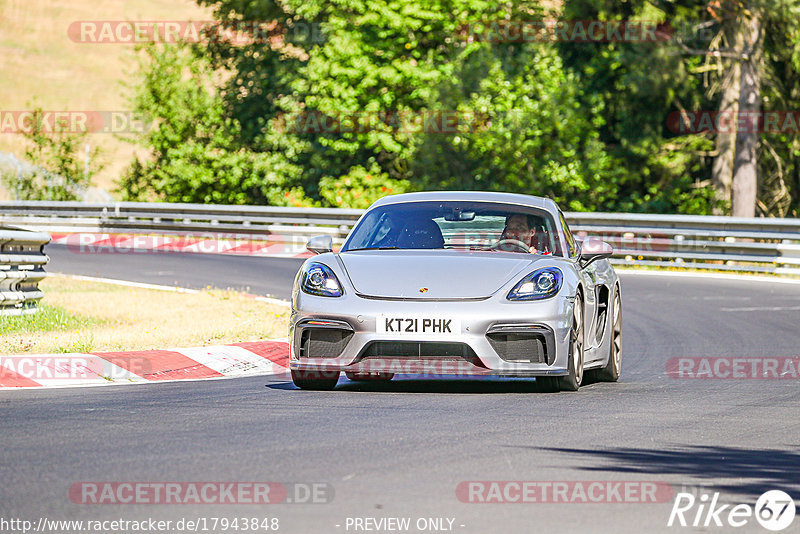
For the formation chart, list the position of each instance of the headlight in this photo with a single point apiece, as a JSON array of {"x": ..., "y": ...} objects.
[
  {"x": 318, "y": 279},
  {"x": 540, "y": 284}
]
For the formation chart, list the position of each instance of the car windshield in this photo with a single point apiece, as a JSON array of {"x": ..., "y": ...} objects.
[{"x": 484, "y": 226}]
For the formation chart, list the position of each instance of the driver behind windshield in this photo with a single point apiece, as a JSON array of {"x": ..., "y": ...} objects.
[{"x": 522, "y": 229}]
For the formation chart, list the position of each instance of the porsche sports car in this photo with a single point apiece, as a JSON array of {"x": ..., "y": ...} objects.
[{"x": 457, "y": 283}]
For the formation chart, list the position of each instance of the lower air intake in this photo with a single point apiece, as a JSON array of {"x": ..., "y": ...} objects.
[
  {"x": 323, "y": 342},
  {"x": 519, "y": 347}
]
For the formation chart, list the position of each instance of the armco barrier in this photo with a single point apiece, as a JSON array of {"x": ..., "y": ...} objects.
[
  {"x": 22, "y": 261},
  {"x": 705, "y": 242}
]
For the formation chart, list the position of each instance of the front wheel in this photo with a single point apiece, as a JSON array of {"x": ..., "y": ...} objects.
[
  {"x": 612, "y": 369},
  {"x": 573, "y": 380},
  {"x": 316, "y": 380}
]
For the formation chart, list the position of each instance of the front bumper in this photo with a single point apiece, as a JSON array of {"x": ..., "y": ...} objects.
[{"x": 497, "y": 337}]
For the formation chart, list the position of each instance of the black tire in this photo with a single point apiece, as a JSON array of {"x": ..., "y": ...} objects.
[
  {"x": 547, "y": 384},
  {"x": 315, "y": 380},
  {"x": 612, "y": 369},
  {"x": 573, "y": 380},
  {"x": 369, "y": 377}
]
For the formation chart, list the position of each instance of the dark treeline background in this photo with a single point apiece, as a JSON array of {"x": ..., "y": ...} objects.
[{"x": 586, "y": 123}]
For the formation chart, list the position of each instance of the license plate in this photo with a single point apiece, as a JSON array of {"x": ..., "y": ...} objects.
[{"x": 417, "y": 325}]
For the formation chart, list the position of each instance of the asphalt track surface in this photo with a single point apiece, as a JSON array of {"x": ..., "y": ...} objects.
[
  {"x": 267, "y": 276},
  {"x": 402, "y": 448}
]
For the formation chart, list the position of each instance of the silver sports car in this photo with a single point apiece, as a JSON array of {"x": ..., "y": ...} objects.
[{"x": 457, "y": 283}]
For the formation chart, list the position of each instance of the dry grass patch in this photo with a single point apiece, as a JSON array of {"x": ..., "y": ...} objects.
[
  {"x": 41, "y": 65},
  {"x": 81, "y": 316}
]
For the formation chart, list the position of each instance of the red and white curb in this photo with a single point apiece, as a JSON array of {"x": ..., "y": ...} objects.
[
  {"x": 238, "y": 245},
  {"x": 258, "y": 358}
]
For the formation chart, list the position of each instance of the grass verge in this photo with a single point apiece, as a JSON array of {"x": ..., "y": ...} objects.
[
  {"x": 82, "y": 316},
  {"x": 687, "y": 268},
  {"x": 48, "y": 319}
]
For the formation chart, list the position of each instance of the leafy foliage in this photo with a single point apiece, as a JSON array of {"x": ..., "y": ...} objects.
[
  {"x": 61, "y": 171},
  {"x": 360, "y": 187},
  {"x": 345, "y": 102},
  {"x": 196, "y": 153}
]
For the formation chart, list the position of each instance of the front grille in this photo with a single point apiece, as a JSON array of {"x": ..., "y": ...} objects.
[
  {"x": 420, "y": 350},
  {"x": 323, "y": 342}
]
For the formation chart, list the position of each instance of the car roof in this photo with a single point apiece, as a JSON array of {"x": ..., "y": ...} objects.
[{"x": 472, "y": 196}]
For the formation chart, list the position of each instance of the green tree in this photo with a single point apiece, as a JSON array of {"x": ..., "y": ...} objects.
[
  {"x": 396, "y": 59},
  {"x": 529, "y": 133},
  {"x": 639, "y": 85},
  {"x": 60, "y": 167},
  {"x": 324, "y": 106},
  {"x": 717, "y": 58},
  {"x": 194, "y": 147}
]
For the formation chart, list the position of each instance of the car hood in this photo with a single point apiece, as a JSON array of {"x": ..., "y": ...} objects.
[{"x": 446, "y": 274}]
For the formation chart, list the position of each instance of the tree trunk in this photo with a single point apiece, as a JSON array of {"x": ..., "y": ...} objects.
[
  {"x": 722, "y": 168},
  {"x": 745, "y": 164}
]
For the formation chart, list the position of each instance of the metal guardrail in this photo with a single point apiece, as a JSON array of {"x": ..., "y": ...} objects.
[
  {"x": 698, "y": 241},
  {"x": 706, "y": 242},
  {"x": 139, "y": 217},
  {"x": 22, "y": 261}
]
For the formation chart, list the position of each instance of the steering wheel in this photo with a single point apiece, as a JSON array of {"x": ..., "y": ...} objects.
[{"x": 522, "y": 247}]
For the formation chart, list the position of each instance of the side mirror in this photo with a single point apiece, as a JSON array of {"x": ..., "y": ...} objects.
[
  {"x": 593, "y": 248},
  {"x": 320, "y": 244}
]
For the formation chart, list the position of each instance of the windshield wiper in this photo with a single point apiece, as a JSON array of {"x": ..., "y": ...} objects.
[{"x": 372, "y": 248}]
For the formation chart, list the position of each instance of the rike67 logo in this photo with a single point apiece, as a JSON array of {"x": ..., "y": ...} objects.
[{"x": 774, "y": 510}]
